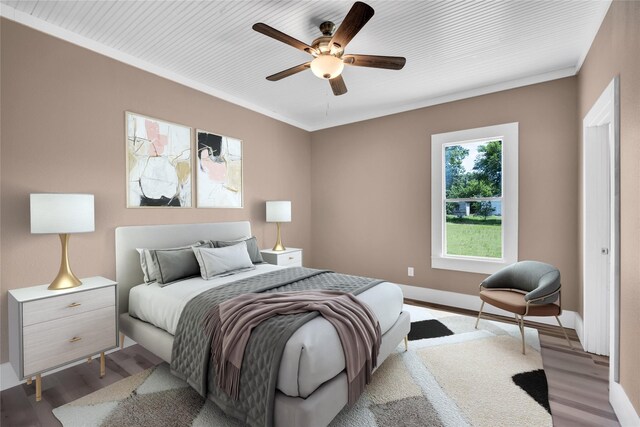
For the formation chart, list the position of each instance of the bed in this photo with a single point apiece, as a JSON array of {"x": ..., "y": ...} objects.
[{"x": 311, "y": 385}]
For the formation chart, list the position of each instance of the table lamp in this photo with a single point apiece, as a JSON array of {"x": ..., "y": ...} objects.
[
  {"x": 63, "y": 214},
  {"x": 278, "y": 211}
]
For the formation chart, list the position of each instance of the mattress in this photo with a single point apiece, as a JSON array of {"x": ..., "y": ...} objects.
[{"x": 313, "y": 354}]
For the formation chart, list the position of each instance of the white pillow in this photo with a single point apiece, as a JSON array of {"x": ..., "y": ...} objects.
[{"x": 216, "y": 262}]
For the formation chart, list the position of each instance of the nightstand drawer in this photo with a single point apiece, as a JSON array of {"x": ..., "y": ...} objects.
[
  {"x": 49, "y": 344},
  {"x": 57, "y": 307},
  {"x": 291, "y": 259}
]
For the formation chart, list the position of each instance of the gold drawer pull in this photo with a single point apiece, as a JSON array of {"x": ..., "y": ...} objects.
[
  {"x": 74, "y": 304},
  {"x": 74, "y": 339}
]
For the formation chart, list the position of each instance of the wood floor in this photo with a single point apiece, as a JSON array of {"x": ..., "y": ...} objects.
[
  {"x": 578, "y": 382},
  {"x": 19, "y": 406}
]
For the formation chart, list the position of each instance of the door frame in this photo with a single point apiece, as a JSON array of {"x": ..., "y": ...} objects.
[{"x": 606, "y": 110}]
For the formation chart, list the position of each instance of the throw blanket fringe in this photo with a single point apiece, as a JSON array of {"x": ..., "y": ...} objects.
[
  {"x": 230, "y": 325},
  {"x": 227, "y": 374}
]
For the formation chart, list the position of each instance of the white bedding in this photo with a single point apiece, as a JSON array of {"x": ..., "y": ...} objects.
[
  {"x": 313, "y": 354},
  {"x": 162, "y": 306}
]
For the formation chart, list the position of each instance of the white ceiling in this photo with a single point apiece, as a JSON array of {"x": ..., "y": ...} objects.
[{"x": 454, "y": 49}]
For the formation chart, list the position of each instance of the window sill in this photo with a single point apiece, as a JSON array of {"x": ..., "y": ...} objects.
[{"x": 470, "y": 265}]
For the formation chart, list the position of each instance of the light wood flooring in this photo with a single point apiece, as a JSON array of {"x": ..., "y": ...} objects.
[{"x": 578, "y": 382}]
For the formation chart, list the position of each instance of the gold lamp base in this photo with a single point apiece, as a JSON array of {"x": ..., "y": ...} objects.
[
  {"x": 65, "y": 278},
  {"x": 279, "y": 246}
]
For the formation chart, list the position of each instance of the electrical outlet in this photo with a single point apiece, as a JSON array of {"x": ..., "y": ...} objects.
[{"x": 410, "y": 271}]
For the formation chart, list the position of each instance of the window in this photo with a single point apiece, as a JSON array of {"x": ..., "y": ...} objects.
[{"x": 474, "y": 199}]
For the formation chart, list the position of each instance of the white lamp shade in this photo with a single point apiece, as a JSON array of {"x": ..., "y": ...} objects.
[
  {"x": 278, "y": 211},
  {"x": 57, "y": 213}
]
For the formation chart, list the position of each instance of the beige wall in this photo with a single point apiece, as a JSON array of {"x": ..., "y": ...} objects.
[
  {"x": 371, "y": 187},
  {"x": 615, "y": 52},
  {"x": 63, "y": 131}
]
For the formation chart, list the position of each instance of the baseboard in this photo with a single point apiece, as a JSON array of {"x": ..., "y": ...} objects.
[
  {"x": 627, "y": 415},
  {"x": 580, "y": 329},
  {"x": 472, "y": 302},
  {"x": 8, "y": 377}
]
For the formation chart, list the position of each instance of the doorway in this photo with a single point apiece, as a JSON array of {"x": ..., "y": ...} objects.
[{"x": 600, "y": 231}]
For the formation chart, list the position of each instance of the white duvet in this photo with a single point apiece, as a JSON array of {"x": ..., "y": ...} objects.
[
  {"x": 313, "y": 354},
  {"x": 162, "y": 306}
]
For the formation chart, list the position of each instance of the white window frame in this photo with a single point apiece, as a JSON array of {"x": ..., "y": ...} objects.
[{"x": 508, "y": 133}]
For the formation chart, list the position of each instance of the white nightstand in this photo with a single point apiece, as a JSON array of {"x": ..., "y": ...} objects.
[
  {"x": 49, "y": 329},
  {"x": 290, "y": 257}
]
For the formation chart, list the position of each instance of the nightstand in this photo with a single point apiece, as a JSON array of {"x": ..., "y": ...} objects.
[
  {"x": 290, "y": 257},
  {"x": 49, "y": 329}
]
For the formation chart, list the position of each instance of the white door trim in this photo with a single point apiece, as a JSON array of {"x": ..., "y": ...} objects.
[{"x": 606, "y": 111}]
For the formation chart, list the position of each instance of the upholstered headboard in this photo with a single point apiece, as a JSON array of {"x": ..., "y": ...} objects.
[{"x": 128, "y": 271}]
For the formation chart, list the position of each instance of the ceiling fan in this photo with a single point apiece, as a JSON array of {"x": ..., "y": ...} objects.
[{"x": 328, "y": 50}]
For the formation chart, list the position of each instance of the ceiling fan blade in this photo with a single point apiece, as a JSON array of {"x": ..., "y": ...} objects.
[
  {"x": 338, "y": 86},
  {"x": 282, "y": 37},
  {"x": 289, "y": 72},
  {"x": 373, "y": 61},
  {"x": 357, "y": 17}
]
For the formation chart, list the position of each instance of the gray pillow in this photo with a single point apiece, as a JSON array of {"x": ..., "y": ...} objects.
[
  {"x": 149, "y": 265},
  {"x": 174, "y": 264},
  {"x": 252, "y": 247},
  {"x": 218, "y": 262}
]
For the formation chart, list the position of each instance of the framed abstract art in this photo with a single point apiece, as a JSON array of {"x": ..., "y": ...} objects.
[
  {"x": 219, "y": 171},
  {"x": 158, "y": 163}
]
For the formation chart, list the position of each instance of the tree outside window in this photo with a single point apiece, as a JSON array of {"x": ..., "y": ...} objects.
[{"x": 473, "y": 199}]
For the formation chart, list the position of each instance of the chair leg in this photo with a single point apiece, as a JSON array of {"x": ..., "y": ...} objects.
[
  {"x": 479, "y": 313},
  {"x": 520, "y": 324},
  {"x": 564, "y": 332},
  {"x": 406, "y": 343}
]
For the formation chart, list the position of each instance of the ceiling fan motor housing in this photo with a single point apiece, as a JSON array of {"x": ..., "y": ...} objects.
[{"x": 323, "y": 44}]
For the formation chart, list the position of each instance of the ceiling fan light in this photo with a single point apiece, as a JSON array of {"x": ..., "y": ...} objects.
[{"x": 327, "y": 66}]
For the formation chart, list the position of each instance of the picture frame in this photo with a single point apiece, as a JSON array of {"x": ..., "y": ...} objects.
[
  {"x": 219, "y": 171},
  {"x": 158, "y": 163}
]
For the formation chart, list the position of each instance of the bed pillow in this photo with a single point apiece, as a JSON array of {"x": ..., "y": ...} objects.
[
  {"x": 217, "y": 262},
  {"x": 174, "y": 264},
  {"x": 252, "y": 247},
  {"x": 149, "y": 265}
]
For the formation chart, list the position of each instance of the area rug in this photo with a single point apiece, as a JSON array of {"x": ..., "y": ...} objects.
[{"x": 452, "y": 375}]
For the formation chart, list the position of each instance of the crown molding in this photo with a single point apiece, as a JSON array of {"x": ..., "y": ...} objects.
[
  {"x": 583, "y": 57},
  {"x": 40, "y": 25},
  {"x": 457, "y": 96},
  {"x": 53, "y": 30}
]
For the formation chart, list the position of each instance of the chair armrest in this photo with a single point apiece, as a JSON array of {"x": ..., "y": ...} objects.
[
  {"x": 547, "y": 290},
  {"x": 501, "y": 279}
]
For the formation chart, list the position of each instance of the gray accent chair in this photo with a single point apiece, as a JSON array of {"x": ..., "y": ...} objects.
[{"x": 526, "y": 288}]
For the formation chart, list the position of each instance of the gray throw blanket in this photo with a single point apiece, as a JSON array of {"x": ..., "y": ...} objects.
[
  {"x": 191, "y": 354},
  {"x": 231, "y": 324}
]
